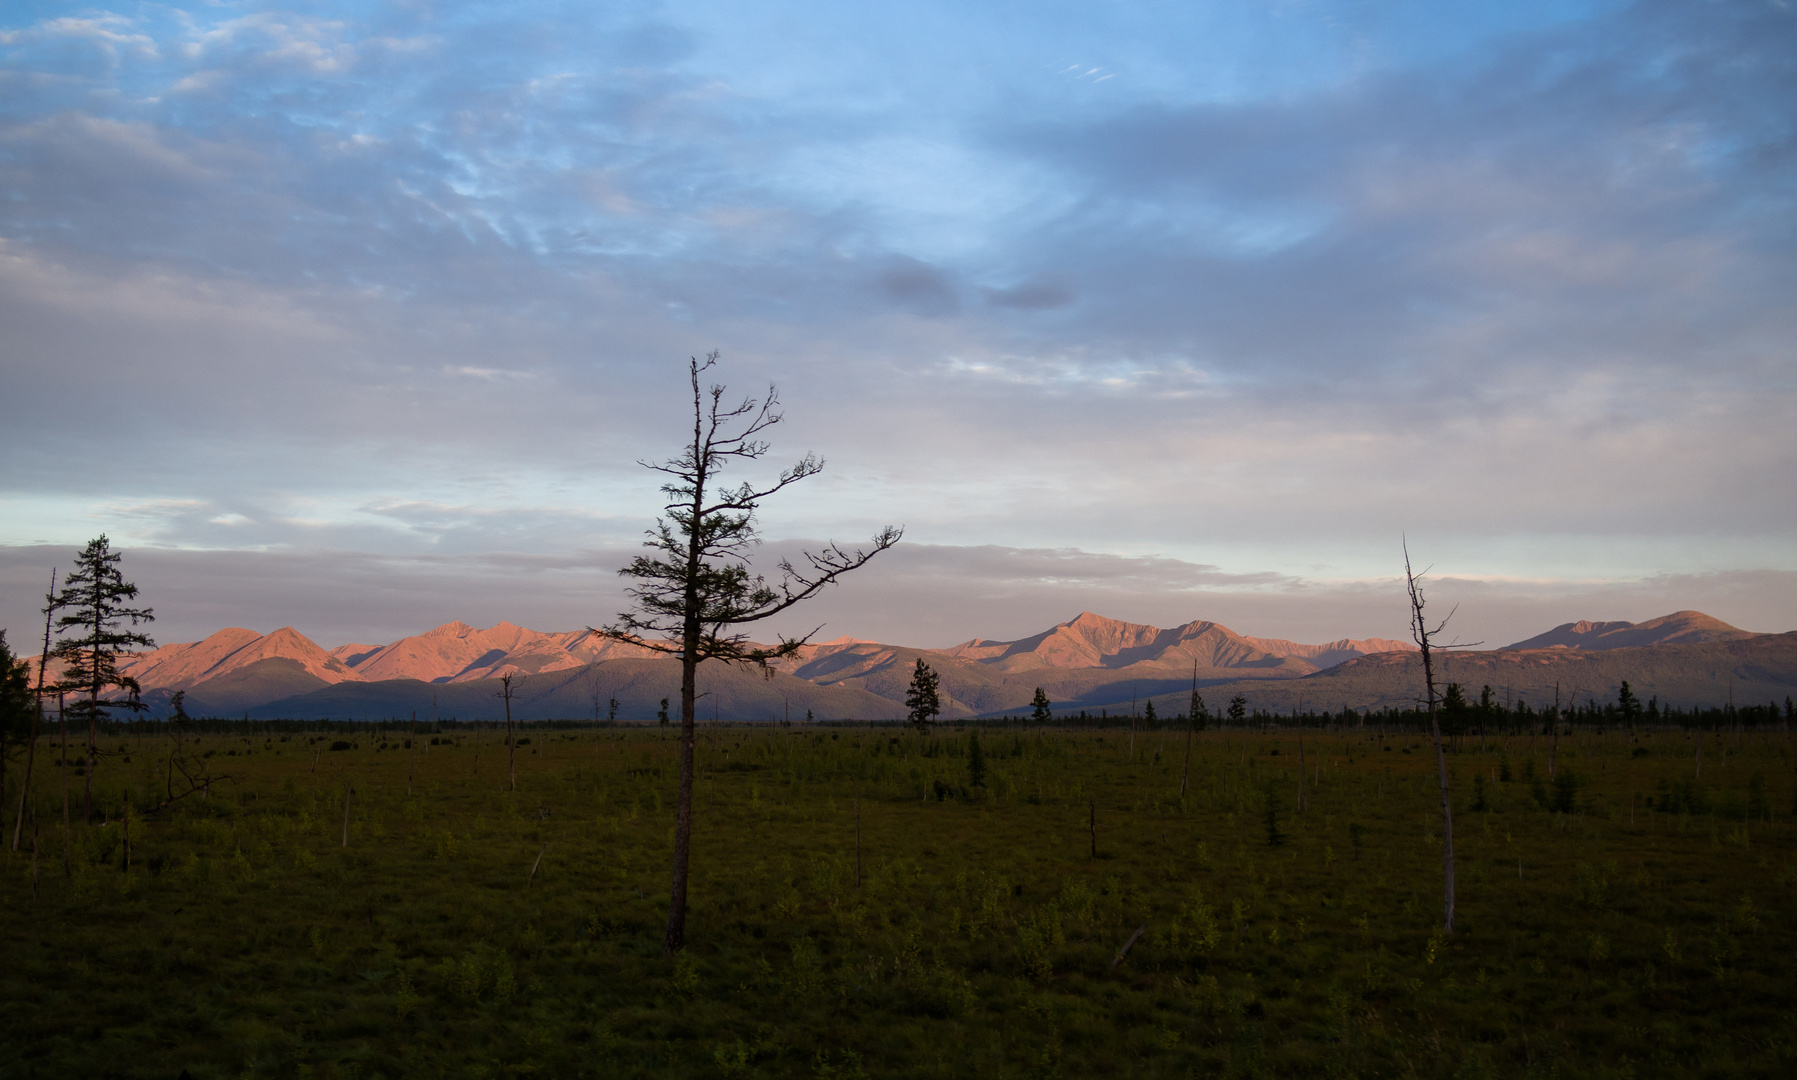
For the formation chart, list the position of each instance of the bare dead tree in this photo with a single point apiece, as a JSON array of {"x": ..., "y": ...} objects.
[
  {"x": 1425, "y": 641},
  {"x": 62, "y": 720},
  {"x": 1554, "y": 755},
  {"x": 1303, "y": 799},
  {"x": 1195, "y": 720},
  {"x": 691, "y": 600},
  {"x": 511, "y": 747},
  {"x": 37, "y": 719}
]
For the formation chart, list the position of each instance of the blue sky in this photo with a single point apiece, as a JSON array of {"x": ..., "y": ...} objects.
[{"x": 1168, "y": 311}]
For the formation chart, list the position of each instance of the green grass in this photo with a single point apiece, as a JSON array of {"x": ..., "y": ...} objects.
[{"x": 247, "y": 941}]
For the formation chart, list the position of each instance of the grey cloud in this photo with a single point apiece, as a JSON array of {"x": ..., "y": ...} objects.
[
  {"x": 919, "y": 287},
  {"x": 1035, "y": 295},
  {"x": 1541, "y": 292}
]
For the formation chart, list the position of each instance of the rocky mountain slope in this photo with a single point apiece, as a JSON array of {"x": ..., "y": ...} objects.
[
  {"x": 1753, "y": 670},
  {"x": 1088, "y": 662},
  {"x": 1680, "y": 627}
]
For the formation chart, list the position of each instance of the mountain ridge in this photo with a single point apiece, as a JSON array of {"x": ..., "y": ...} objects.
[
  {"x": 1680, "y": 627},
  {"x": 1088, "y": 662}
]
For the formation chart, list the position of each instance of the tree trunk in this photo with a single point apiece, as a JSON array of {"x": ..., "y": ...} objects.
[
  {"x": 37, "y": 719},
  {"x": 62, "y": 719},
  {"x": 683, "y": 822},
  {"x": 1422, "y": 635},
  {"x": 87, "y": 798},
  {"x": 511, "y": 744},
  {"x": 1185, "y": 776},
  {"x": 689, "y": 669},
  {"x": 1447, "y": 818},
  {"x": 1302, "y": 799}
]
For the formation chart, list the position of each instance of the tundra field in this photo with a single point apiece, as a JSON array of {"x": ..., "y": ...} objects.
[{"x": 863, "y": 906}]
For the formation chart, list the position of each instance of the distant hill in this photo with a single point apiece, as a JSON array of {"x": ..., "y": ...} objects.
[
  {"x": 1088, "y": 662},
  {"x": 1753, "y": 670},
  {"x": 728, "y": 693},
  {"x": 457, "y": 652},
  {"x": 1093, "y": 641},
  {"x": 1680, "y": 627},
  {"x": 229, "y": 650}
]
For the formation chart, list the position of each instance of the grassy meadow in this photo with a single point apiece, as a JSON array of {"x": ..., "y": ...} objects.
[{"x": 1625, "y": 917}]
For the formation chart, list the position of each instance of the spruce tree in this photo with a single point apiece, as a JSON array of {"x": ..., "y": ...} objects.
[
  {"x": 1042, "y": 714},
  {"x": 94, "y": 597},
  {"x": 1630, "y": 706},
  {"x": 976, "y": 761},
  {"x": 924, "y": 698},
  {"x": 17, "y": 707}
]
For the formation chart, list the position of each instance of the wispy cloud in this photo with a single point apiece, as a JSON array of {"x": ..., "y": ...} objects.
[{"x": 1137, "y": 278}]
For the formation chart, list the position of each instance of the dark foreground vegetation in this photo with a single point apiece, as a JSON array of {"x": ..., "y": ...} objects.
[{"x": 873, "y": 902}]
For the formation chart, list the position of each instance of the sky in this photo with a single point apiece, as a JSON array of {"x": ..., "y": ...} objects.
[{"x": 361, "y": 317}]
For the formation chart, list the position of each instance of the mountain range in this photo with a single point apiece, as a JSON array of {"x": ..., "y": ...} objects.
[{"x": 1089, "y": 662}]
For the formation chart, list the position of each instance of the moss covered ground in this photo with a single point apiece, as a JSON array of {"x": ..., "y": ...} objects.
[{"x": 1623, "y": 917}]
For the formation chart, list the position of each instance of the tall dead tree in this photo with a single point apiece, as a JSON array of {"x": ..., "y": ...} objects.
[
  {"x": 511, "y": 746},
  {"x": 692, "y": 596},
  {"x": 37, "y": 714},
  {"x": 1195, "y": 723},
  {"x": 1425, "y": 641}
]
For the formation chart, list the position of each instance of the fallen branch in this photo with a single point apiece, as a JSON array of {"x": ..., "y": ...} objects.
[
  {"x": 164, "y": 804},
  {"x": 533, "y": 867},
  {"x": 1128, "y": 945}
]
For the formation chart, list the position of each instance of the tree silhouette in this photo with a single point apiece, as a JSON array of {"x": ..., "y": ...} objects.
[
  {"x": 692, "y": 596},
  {"x": 924, "y": 698},
  {"x": 17, "y": 708},
  {"x": 94, "y": 596},
  {"x": 1425, "y": 641},
  {"x": 1042, "y": 714}
]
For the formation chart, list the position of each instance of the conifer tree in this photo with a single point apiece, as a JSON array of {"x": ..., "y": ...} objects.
[
  {"x": 94, "y": 597},
  {"x": 695, "y": 592},
  {"x": 924, "y": 698},
  {"x": 1042, "y": 714},
  {"x": 1630, "y": 706},
  {"x": 16, "y": 707}
]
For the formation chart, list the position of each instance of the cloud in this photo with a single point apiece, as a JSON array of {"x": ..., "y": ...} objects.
[
  {"x": 419, "y": 286},
  {"x": 1037, "y": 295},
  {"x": 919, "y": 287}
]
